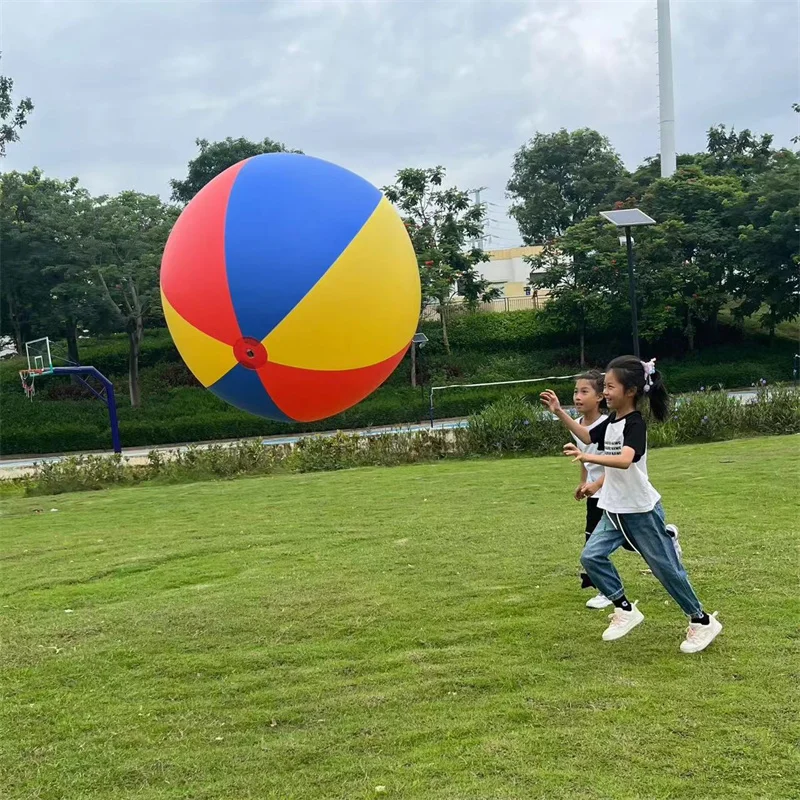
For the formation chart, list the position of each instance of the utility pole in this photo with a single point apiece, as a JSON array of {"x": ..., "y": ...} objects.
[{"x": 476, "y": 243}]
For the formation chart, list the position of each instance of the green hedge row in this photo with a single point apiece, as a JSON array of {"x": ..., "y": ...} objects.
[
  {"x": 486, "y": 347},
  {"x": 510, "y": 426},
  {"x": 512, "y": 330},
  {"x": 188, "y": 414},
  {"x": 87, "y": 428}
]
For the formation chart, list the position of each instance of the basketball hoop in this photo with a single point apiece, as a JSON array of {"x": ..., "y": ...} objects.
[
  {"x": 40, "y": 363},
  {"x": 28, "y": 377}
]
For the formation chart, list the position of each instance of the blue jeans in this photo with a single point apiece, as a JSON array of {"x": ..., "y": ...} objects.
[{"x": 647, "y": 533}]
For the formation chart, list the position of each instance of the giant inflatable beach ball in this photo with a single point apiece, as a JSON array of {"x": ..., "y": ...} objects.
[{"x": 290, "y": 287}]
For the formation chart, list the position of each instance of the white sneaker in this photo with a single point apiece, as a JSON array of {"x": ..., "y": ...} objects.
[
  {"x": 622, "y": 622},
  {"x": 599, "y": 601},
  {"x": 699, "y": 636},
  {"x": 672, "y": 530}
]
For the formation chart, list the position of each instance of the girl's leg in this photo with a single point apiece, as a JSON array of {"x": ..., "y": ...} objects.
[
  {"x": 593, "y": 517},
  {"x": 648, "y": 533},
  {"x": 595, "y": 559}
]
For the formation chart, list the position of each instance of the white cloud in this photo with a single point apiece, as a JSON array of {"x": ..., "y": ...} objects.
[{"x": 123, "y": 89}]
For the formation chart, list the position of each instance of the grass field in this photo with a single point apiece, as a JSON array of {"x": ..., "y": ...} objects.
[{"x": 415, "y": 632}]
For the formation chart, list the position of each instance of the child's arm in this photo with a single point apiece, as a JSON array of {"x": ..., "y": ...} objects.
[
  {"x": 622, "y": 461},
  {"x": 550, "y": 399}
]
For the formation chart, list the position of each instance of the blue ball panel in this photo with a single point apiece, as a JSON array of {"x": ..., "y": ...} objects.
[
  {"x": 289, "y": 217},
  {"x": 241, "y": 387}
]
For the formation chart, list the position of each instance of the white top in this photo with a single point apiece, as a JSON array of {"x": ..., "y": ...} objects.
[
  {"x": 593, "y": 471},
  {"x": 625, "y": 491}
]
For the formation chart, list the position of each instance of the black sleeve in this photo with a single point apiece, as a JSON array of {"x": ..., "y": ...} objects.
[
  {"x": 598, "y": 433},
  {"x": 635, "y": 435}
]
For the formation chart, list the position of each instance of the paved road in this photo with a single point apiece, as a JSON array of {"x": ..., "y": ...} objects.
[{"x": 18, "y": 466}]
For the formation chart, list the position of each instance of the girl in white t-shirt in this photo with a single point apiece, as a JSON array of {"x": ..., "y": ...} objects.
[
  {"x": 632, "y": 508},
  {"x": 588, "y": 399}
]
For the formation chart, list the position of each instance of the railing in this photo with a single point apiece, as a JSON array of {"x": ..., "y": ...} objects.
[
  {"x": 448, "y": 387},
  {"x": 459, "y": 306}
]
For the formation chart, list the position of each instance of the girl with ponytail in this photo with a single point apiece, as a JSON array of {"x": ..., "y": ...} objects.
[{"x": 632, "y": 510}]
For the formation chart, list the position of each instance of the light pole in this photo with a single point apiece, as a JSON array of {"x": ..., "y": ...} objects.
[
  {"x": 629, "y": 218},
  {"x": 419, "y": 340}
]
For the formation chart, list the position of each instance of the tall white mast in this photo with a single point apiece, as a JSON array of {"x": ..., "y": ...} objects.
[{"x": 666, "y": 99}]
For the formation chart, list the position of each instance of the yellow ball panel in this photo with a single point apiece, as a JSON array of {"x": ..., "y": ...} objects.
[
  {"x": 363, "y": 310},
  {"x": 207, "y": 358}
]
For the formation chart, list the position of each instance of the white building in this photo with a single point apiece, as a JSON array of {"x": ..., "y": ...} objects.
[{"x": 508, "y": 270}]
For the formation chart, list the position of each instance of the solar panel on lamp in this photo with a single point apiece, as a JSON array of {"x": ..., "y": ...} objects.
[{"x": 628, "y": 217}]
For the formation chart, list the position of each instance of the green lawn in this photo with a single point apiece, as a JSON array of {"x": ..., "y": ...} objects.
[{"x": 417, "y": 628}]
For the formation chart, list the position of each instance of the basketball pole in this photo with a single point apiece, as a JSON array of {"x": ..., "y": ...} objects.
[{"x": 109, "y": 398}]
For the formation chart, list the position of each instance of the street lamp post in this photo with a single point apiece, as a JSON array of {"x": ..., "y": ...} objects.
[
  {"x": 632, "y": 292},
  {"x": 628, "y": 218},
  {"x": 418, "y": 341}
]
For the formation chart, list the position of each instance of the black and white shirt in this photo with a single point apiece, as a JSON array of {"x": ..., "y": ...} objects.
[{"x": 625, "y": 491}]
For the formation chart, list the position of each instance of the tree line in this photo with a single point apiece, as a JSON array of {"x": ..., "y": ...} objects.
[{"x": 728, "y": 231}]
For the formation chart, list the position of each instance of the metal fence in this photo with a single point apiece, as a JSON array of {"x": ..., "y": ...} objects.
[{"x": 459, "y": 306}]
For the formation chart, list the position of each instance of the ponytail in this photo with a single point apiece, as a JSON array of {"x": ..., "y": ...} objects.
[
  {"x": 658, "y": 396},
  {"x": 633, "y": 373}
]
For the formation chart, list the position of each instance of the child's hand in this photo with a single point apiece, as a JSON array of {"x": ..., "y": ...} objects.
[
  {"x": 574, "y": 452},
  {"x": 580, "y": 491},
  {"x": 549, "y": 399},
  {"x": 591, "y": 489}
]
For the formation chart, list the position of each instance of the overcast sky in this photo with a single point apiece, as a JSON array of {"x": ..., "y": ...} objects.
[{"x": 123, "y": 87}]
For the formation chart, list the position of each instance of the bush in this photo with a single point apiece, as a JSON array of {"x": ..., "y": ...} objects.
[
  {"x": 80, "y": 473},
  {"x": 777, "y": 411},
  {"x": 312, "y": 454},
  {"x": 486, "y": 348},
  {"x": 713, "y": 416},
  {"x": 492, "y": 332},
  {"x": 55, "y": 438},
  {"x": 511, "y": 425},
  {"x": 514, "y": 425}
]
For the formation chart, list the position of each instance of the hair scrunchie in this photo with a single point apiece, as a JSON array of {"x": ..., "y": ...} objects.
[{"x": 649, "y": 368}]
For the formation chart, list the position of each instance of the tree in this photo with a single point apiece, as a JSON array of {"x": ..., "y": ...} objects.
[
  {"x": 45, "y": 288},
  {"x": 12, "y": 118},
  {"x": 216, "y": 157},
  {"x": 728, "y": 224},
  {"x": 131, "y": 232},
  {"x": 768, "y": 270},
  {"x": 676, "y": 286},
  {"x": 76, "y": 301},
  {"x": 741, "y": 153},
  {"x": 630, "y": 187},
  {"x": 687, "y": 265},
  {"x": 559, "y": 179},
  {"x": 583, "y": 274},
  {"x": 24, "y": 289},
  {"x": 440, "y": 223}
]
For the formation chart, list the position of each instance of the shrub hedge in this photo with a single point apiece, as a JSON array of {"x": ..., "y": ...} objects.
[
  {"x": 512, "y": 425},
  {"x": 486, "y": 347}
]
